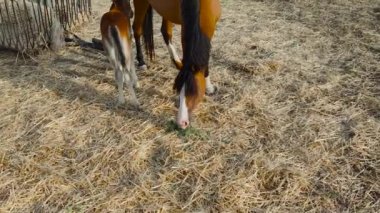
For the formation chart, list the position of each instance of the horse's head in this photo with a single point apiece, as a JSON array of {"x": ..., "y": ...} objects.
[
  {"x": 124, "y": 6},
  {"x": 191, "y": 87}
]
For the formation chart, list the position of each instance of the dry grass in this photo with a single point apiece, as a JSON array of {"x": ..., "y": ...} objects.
[{"x": 294, "y": 127}]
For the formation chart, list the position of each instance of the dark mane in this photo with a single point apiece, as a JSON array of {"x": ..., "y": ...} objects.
[{"x": 196, "y": 52}]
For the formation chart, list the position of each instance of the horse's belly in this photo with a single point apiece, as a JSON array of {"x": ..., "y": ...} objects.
[{"x": 168, "y": 9}]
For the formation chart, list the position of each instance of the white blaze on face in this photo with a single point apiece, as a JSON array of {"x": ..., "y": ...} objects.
[
  {"x": 183, "y": 113},
  {"x": 173, "y": 52}
]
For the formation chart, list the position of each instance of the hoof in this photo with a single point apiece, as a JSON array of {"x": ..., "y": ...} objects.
[
  {"x": 142, "y": 67},
  {"x": 135, "y": 105},
  {"x": 120, "y": 102},
  {"x": 211, "y": 90}
]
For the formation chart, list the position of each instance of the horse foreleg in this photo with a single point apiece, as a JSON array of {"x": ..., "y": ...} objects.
[
  {"x": 141, "y": 8},
  {"x": 167, "y": 33},
  {"x": 210, "y": 88}
]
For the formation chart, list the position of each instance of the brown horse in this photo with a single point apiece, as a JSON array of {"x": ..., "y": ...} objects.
[
  {"x": 198, "y": 19},
  {"x": 116, "y": 37}
]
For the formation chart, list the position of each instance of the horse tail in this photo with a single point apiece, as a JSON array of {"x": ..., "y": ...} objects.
[
  {"x": 196, "y": 52},
  {"x": 115, "y": 35},
  {"x": 148, "y": 33}
]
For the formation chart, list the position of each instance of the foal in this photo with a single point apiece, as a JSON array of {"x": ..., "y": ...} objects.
[{"x": 116, "y": 37}]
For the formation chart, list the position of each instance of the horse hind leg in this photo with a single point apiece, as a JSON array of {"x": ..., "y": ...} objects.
[
  {"x": 132, "y": 70},
  {"x": 167, "y": 34},
  {"x": 127, "y": 77},
  {"x": 131, "y": 77},
  {"x": 113, "y": 58},
  {"x": 134, "y": 78},
  {"x": 119, "y": 82},
  {"x": 110, "y": 52},
  {"x": 130, "y": 83}
]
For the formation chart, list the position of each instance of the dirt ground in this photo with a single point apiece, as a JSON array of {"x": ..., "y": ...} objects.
[{"x": 293, "y": 127}]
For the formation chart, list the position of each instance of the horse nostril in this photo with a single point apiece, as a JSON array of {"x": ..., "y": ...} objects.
[{"x": 184, "y": 124}]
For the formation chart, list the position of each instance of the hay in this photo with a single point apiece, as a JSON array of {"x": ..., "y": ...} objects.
[{"x": 294, "y": 126}]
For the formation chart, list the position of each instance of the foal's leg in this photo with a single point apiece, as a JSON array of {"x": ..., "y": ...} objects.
[
  {"x": 119, "y": 82},
  {"x": 119, "y": 78},
  {"x": 132, "y": 70},
  {"x": 167, "y": 33},
  {"x": 141, "y": 8},
  {"x": 129, "y": 82}
]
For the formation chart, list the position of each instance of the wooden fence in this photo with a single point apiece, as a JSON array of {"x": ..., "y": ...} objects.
[{"x": 29, "y": 25}]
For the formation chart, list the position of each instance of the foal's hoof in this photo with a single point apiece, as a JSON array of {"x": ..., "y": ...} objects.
[
  {"x": 119, "y": 105},
  {"x": 135, "y": 105},
  {"x": 120, "y": 101},
  {"x": 142, "y": 67},
  {"x": 211, "y": 90}
]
